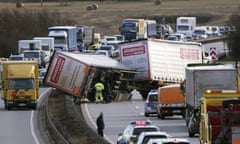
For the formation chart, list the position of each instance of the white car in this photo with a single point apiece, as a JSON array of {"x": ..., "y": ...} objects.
[
  {"x": 144, "y": 137},
  {"x": 169, "y": 141},
  {"x": 112, "y": 51},
  {"x": 103, "y": 52}
]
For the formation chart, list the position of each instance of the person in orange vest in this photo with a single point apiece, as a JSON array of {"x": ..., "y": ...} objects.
[{"x": 99, "y": 87}]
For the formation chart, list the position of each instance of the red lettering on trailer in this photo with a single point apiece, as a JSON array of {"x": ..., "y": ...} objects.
[
  {"x": 134, "y": 51},
  {"x": 184, "y": 20},
  {"x": 57, "y": 70},
  {"x": 189, "y": 54}
]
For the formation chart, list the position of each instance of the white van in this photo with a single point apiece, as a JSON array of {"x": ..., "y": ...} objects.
[{"x": 200, "y": 33}]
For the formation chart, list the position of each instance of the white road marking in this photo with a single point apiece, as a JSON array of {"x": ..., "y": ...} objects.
[
  {"x": 93, "y": 123},
  {"x": 31, "y": 119}
]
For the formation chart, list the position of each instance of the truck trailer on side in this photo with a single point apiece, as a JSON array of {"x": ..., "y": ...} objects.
[
  {"x": 20, "y": 84},
  {"x": 158, "y": 61},
  {"x": 199, "y": 78},
  {"x": 76, "y": 74}
]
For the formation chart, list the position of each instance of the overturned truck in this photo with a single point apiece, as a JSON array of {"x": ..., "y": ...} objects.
[{"x": 76, "y": 75}]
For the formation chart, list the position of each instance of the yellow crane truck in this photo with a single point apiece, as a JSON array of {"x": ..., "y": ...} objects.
[
  {"x": 220, "y": 117},
  {"x": 20, "y": 84}
]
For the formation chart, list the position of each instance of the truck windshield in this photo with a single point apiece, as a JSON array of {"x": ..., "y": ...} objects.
[
  {"x": 184, "y": 27},
  {"x": 24, "y": 83},
  {"x": 59, "y": 40},
  {"x": 129, "y": 27},
  {"x": 45, "y": 47},
  {"x": 31, "y": 54}
]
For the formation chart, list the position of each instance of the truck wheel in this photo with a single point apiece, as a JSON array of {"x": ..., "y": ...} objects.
[
  {"x": 190, "y": 134},
  {"x": 9, "y": 108},
  {"x": 146, "y": 114},
  {"x": 162, "y": 116},
  {"x": 34, "y": 107}
]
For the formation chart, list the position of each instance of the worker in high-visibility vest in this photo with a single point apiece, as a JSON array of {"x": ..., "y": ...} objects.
[{"x": 99, "y": 87}]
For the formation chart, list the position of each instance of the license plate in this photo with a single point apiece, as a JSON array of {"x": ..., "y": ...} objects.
[
  {"x": 22, "y": 104},
  {"x": 176, "y": 111}
]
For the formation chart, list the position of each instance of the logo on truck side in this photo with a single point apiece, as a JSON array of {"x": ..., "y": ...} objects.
[
  {"x": 189, "y": 54},
  {"x": 134, "y": 51},
  {"x": 57, "y": 70}
]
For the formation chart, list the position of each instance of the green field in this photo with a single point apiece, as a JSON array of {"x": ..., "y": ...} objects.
[{"x": 109, "y": 14}]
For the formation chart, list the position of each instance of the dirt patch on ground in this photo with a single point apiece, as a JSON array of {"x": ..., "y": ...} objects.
[{"x": 69, "y": 122}]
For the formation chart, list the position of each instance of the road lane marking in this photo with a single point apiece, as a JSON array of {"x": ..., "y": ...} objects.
[
  {"x": 93, "y": 123},
  {"x": 32, "y": 117}
]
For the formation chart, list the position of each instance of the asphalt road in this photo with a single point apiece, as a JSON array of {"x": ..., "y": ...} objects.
[
  {"x": 117, "y": 116},
  {"x": 18, "y": 126}
]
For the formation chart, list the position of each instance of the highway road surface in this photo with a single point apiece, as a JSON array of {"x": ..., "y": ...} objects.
[
  {"x": 117, "y": 116},
  {"x": 18, "y": 126}
]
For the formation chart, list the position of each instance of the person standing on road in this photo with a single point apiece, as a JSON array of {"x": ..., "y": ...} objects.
[{"x": 100, "y": 124}]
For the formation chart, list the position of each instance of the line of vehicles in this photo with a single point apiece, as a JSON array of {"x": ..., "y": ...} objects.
[
  {"x": 208, "y": 100},
  {"x": 145, "y": 63},
  {"x": 144, "y": 132}
]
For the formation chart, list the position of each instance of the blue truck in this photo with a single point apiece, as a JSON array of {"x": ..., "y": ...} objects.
[{"x": 65, "y": 37}]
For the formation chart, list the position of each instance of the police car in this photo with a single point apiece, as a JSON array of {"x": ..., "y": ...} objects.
[{"x": 133, "y": 130}]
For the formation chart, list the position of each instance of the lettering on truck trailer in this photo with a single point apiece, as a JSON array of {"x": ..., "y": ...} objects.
[
  {"x": 67, "y": 74},
  {"x": 189, "y": 54},
  {"x": 57, "y": 70},
  {"x": 134, "y": 51}
]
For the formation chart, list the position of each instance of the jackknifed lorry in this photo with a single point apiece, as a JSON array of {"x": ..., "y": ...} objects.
[
  {"x": 158, "y": 61},
  {"x": 20, "y": 84},
  {"x": 77, "y": 73}
]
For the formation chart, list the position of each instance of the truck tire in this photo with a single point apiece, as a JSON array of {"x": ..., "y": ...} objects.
[
  {"x": 34, "y": 107},
  {"x": 146, "y": 114},
  {"x": 190, "y": 134},
  {"x": 161, "y": 116}
]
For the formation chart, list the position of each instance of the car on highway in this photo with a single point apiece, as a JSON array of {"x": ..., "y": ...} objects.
[
  {"x": 144, "y": 137},
  {"x": 102, "y": 52},
  {"x": 41, "y": 75},
  {"x": 134, "y": 129},
  {"x": 169, "y": 141},
  {"x": 151, "y": 103},
  {"x": 112, "y": 51}
]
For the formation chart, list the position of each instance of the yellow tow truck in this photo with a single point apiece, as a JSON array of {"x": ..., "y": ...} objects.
[
  {"x": 20, "y": 84},
  {"x": 220, "y": 117}
]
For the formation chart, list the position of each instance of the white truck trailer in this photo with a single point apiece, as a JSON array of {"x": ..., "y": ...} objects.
[
  {"x": 200, "y": 78},
  {"x": 158, "y": 61}
]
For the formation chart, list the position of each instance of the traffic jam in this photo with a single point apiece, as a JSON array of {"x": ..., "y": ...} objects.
[{"x": 176, "y": 73}]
